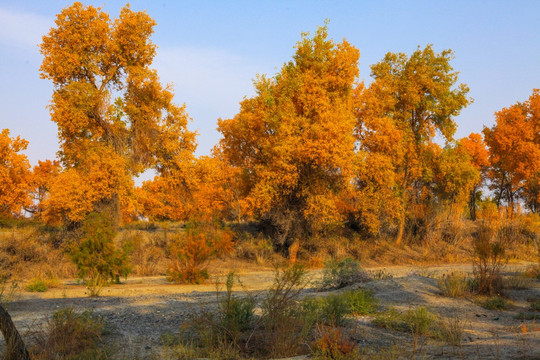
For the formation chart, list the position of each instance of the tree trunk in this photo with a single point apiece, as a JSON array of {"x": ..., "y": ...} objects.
[
  {"x": 401, "y": 229},
  {"x": 15, "y": 347},
  {"x": 472, "y": 204}
]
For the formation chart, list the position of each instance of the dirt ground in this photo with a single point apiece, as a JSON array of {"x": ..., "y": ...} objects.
[{"x": 140, "y": 310}]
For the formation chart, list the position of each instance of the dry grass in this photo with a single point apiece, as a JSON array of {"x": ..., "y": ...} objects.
[{"x": 27, "y": 253}]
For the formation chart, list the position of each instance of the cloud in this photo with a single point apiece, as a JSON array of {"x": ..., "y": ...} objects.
[{"x": 22, "y": 29}]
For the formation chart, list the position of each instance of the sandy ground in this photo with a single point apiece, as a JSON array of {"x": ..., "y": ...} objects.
[{"x": 141, "y": 310}]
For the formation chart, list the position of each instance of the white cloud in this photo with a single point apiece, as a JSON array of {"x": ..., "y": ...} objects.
[{"x": 22, "y": 29}]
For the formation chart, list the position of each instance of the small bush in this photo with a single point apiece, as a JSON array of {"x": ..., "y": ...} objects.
[
  {"x": 517, "y": 281},
  {"x": 535, "y": 305},
  {"x": 146, "y": 253},
  {"x": 361, "y": 302},
  {"x": 454, "y": 285},
  {"x": 37, "y": 285},
  {"x": 69, "y": 335},
  {"x": 338, "y": 274},
  {"x": 489, "y": 254},
  {"x": 190, "y": 254},
  {"x": 282, "y": 328},
  {"x": 391, "y": 319},
  {"x": 380, "y": 275},
  {"x": 494, "y": 303},
  {"x": 285, "y": 327},
  {"x": 451, "y": 330},
  {"x": 332, "y": 343},
  {"x": 419, "y": 320},
  {"x": 236, "y": 314}
]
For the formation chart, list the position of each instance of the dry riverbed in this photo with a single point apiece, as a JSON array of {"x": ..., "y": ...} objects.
[{"x": 141, "y": 310}]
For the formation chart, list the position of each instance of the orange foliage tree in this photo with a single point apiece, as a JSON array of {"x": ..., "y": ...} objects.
[
  {"x": 476, "y": 148},
  {"x": 15, "y": 175},
  {"x": 514, "y": 153},
  {"x": 114, "y": 117},
  {"x": 411, "y": 98},
  {"x": 43, "y": 175},
  {"x": 293, "y": 141}
]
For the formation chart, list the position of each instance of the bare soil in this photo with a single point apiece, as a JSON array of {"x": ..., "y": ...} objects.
[{"x": 141, "y": 310}]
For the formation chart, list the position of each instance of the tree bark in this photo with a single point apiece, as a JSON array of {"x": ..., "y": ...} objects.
[{"x": 15, "y": 347}]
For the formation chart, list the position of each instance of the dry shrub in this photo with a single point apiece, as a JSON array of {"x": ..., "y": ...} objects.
[
  {"x": 281, "y": 328},
  {"x": 517, "y": 281},
  {"x": 332, "y": 343},
  {"x": 25, "y": 253},
  {"x": 342, "y": 273},
  {"x": 68, "y": 334},
  {"x": 284, "y": 326},
  {"x": 451, "y": 330},
  {"x": 489, "y": 247},
  {"x": 146, "y": 253},
  {"x": 191, "y": 252},
  {"x": 256, "y": 248},
  {"x": 455, "y": 284}
]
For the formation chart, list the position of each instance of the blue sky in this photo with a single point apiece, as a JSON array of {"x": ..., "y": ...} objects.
[{"x": 211, "y": 51}]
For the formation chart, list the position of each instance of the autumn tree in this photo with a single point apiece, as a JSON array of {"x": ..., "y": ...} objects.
[
  {"x": 114, "y": 117},
  {"x": 477, "y": 150},
  {"x": 43, "y": 175},
  {"x": 293, "y": 140},
  {"x": 419, "y": 96},
  {"x": 455, "y": 175},
  {"x": 514, "y": 153},
  {"x": 15, "y": 175}
]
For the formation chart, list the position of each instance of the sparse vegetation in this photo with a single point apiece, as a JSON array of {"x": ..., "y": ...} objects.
[
  {"x": 494, "y": 303},
  {"x": 455, "y": 284},
  {"x": 69, "y": 334},
  {"x": 341, "y": 273}
]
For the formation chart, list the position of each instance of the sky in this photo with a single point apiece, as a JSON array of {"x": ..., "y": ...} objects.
[{"x": 212, "y": 50}]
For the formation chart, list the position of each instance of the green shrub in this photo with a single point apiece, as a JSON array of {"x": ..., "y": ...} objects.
[
  {"x": 417, "y": 321},
  {"x": 97, "y": 258},
  {"x": 338, "y": 274},
  {"x": 494, "y": 303},
  {"x": 391, "y": 319},
  {"x": 535, "y": 305},
  {"x": 37, "y": 285},
  {"x": 454, "y": 285},
  {"x": 236, "y": 314},
  {"x": 420, "y": 320},
  {"x": 361, "y": 302},
  {"x": 285, "y": 327}
]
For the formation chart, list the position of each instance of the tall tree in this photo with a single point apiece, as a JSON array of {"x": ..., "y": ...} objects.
[
  {"x": 114, "y": 117},
  {"x": 514, "y": 153},
  {"x": 420, "y": 96},
  {"x": 293, "y": 140},
  {"x": 15, "y": 175}
]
